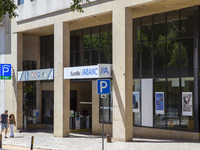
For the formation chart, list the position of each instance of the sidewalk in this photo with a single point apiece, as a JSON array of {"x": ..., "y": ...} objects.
[
  {"x": 9, "y": 147},
  {"x": 44, "y": 139}
]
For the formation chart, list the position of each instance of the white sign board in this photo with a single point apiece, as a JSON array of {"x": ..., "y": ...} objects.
[{"x": 96, "y": 71}]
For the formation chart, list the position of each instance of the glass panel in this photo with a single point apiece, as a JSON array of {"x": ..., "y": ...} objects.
[
  {"x": 147, "y": 30},
  {"x": 136, "y": 62},
  {"x": 159, "y": 27},
  {"x": 106, "y": 109},
  {"x": 187, "y": 85},
  {"x": 77, "y": 38},
  {"x": 159, "y": 59},
  {"x": 173, "y": 98},
  {"x": 160, "y": 119},
  {"x": 186, "y": 48},
  {"x": 173, "y": 25},
  {"x": 86, "y": 38},
  {"x": 86, "y": 58},
  {"x": 146, "y": 60},
  {"x": 72, "y": 41},
  {"x": 104, "y": 55},
  {"x": 71, "y": 59},
  {"x": 77, "y": 59},
  {"x": 95, "y": 57},
  {"x": 172, "y": 58},
  {"x": 136, "y": 112},
  {"x": 136, "y": 31},
  {"x": 187, "y": 20},
  {"x": 95, "y": 38},
  {"x": 104, "y": 36}
]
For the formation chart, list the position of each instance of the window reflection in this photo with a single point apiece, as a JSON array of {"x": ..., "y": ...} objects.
[{"x": 173, "y": 98}]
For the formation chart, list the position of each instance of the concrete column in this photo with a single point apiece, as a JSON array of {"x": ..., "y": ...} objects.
[
  {"x": 61, "y": 86},
  {"x": 122, "y": 74},
  {"x": 19, "y": 115}
]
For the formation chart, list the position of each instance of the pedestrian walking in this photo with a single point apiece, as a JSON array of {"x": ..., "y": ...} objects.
[
  {"x": 12, "y": 124},
  {"x": 4, "y": 122}
]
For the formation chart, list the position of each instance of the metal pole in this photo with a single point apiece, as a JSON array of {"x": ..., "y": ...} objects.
[
  {"x": 102, "y": 124},
  {"x": 32, "y": 139},
  {"x": 0, "y": 140}
]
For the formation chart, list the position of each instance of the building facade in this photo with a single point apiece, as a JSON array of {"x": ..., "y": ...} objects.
[{"x": 150, "y": 49}]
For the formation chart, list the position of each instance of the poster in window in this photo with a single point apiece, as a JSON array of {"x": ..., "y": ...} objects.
[
  {"x": 159, "y": 98},
  {"x": 187, "y": 103},
  {"x": 136, "y": 102}
]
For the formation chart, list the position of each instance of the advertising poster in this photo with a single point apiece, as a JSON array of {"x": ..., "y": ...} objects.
[
  {"x": 136, "y": 102},
  {"x": 187, "y": 103},
  {"x": 159, "y": 97}
]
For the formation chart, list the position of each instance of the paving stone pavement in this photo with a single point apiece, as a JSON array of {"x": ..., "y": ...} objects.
[{"x": 44, "y": 139}]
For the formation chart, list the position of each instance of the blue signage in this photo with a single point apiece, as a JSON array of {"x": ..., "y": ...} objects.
[
  {"x": 5, "y": 71},
  {"x": 103, "y": 86}
]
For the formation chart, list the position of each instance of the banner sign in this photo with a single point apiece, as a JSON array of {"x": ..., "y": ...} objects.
[
  {"x": 5, "y": 71},
  {"x": 159, "y": 98},
  {"x": 136, "y": 101},
  {"x": 187, "y": 103},
  {"x": 34, "y": 75},
  {"x": 97, "y": 71}
]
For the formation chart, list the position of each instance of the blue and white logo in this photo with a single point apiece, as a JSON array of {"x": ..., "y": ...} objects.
[
  {"x": 104, "y": 70},
  {"x": 103, "y": 86},
  {"x": 5, "y": 70}
]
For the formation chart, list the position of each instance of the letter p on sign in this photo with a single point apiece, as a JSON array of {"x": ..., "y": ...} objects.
[{"x": 103, "y": 86}]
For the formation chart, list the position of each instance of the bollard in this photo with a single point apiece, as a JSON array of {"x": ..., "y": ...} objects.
[
  {"x": 32, "y": 140},
  {"x": 0, "y": 140}
]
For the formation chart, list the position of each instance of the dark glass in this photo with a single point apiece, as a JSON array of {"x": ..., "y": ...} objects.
[
  {"x": 95, "y": 57},
  {"x": 104, "y": 55},
  {"x": 173, "y": 25},
  {"x": 160, "y": 86},
  {"x": 159, "y": 59},
  {"x": 146, "y": 60},
  {"x": 71, "y": 59},
  {"x": 86, "y": 60},
  {"x": 136, "y": 62},
  {"x": 110, "y": 56},
  {"x": 72, "y": 41},
  {"x": 137, "y": 115},
  {"x": 187, "y": 22},
  {"x": 136, "y": 31},
  {"x": 95, "y": 38},
  {"x": 173, "y": 58},
  {"x": 173, "y": 101},
  {"x": 104, "y": 37},
  {"x": 77, "y": 38},
  {"x": 186, "y": 48},
  {"x": 159, "y": 27},
  {"x": 147, "y": 29},
  {"x": 77, "y": 59},
  {"x": 86, "y": 39},
  {"x": 47, "y": 51},
  {"x": 187, "y": 122}
]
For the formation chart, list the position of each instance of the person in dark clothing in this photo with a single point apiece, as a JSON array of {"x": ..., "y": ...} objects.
[{"x": 4, "y": 122}]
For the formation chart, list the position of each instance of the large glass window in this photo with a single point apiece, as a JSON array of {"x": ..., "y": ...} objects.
[
  {"x": 163, "y": 50},
  {"x": 91, "y": 46}
]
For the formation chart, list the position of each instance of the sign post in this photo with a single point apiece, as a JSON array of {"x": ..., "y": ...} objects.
[
  {"x": 103, "y": 88},
  {"x": 5, "y": 71}
]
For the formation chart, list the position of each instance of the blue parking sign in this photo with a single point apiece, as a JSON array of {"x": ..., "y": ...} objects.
[
  {"x": 103, "y": 86},
  {"x": 5, "y": 71}
]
